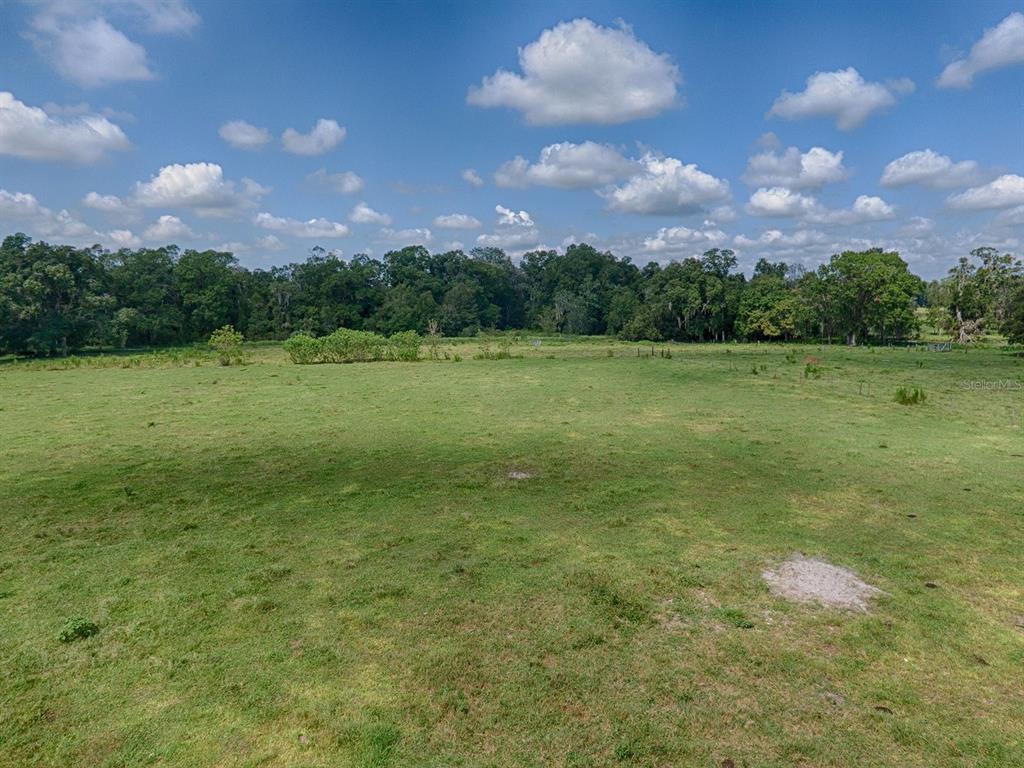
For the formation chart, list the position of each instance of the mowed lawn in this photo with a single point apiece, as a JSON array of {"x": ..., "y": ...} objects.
[{"x": 330, "y": 566}]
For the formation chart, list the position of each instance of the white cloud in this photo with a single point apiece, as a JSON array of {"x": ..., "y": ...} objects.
[
  {"x": 270, "y": 243},
  {"x": 665, "y": 186},
  {"x": 457, "y": 221},
  {"x": 168, "y": 228},
  {"x": 842, "y": 94},
  {"x": 31, "y": 133},
  {"x": 242, "y": 135},
  {"x": 1001, "y": 46},
  {"x": 84, "y": 47},
  {"x": 510, "y": 240},
  {"x": 124, "y": 238},
  {"x": 795, "y": 170},
  {"x": 92, "y": 53},
  {"x": 1004, "y": 192},
  {"x": 865, "y": 208},
  {"x": 324, "y": 137},
  {"x": 22, "y": 210},
  {"x": 683, "y": 240},
  {"x": 567, "y": 166},
  {"x": 1011, "y": 218},
  {"x": 515, "y": 231},
  {"x": 105, "y": 203},
  {"x": 774, "y": 238},
  {"x": 403, "y": 237},
  {"x": 314, "y": 228},
  {"x": 929, "y": 169},
  {"x": 580, "y": 72},
  {"x": 780, "y": 202},
  {"x": 722, "y": 214},
  {"x": 345, "y": 183},
  {"x": 200, "y": 187},
  {"x": 471, "y": 177},
  {"x": 509, "y": 218},
  {"x": 364, "y": 214},
  {"x": 917, "y": 226}
]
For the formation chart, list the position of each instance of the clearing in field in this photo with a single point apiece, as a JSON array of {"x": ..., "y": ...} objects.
[{"x": 338, "y": 565}]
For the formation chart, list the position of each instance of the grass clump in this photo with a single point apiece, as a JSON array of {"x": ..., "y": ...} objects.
[
  {"x": 77, "y": 629},
  {"x": 908, "y": 396}
]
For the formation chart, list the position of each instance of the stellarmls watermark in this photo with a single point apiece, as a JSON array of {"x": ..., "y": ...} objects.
[{"x": 993, "y": 385}]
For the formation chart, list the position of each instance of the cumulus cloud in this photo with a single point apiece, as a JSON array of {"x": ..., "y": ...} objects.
[
  {"x": 325, "y": 136},
  {"x": 509, "y": 218},
  {"x": 403, "y": 237},
  {"x": 86, "y": 48},
  {"x": 314, "y": 228},
  {"x": 364, "y": 214},
  {"x": 123, "y": 238},
  {"x": 917, "y": 226},
  {"x": 567, "y": 166},
  {"x": 167, "y": 228},
  {"x": 774, "y": 238},
  {"x": 270, "y": 243},
  {"x": 111, "y": 204},
  {"x": 345, "y": 183},
  {"x": 1001, "y": 46},
  {"x": 457, "y": 221},
  {"x": 471, "y": 177},
  {"x": 780, "y": 202},
  {"x": 21, "y": 210},
  {"x": 864, "y": 209},
  {"x": 843, "y": 95},
  {"x": 580, "y": 72},
  {"x": 795, "y": 169},
  {"x": 514, "y": 231},
  {"x": 200, "y": 187},
  {"x": 1004, "y": 192},
  {"x": 683, "y": 240},
  {"x": 31, "y": 133},
  {"x": 929, "y": 169},
  {"x": 242, "y": 135},
  {"x": 664, "y": 185}
]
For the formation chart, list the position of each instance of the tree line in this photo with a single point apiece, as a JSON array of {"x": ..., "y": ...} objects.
[{"x": 55, "y": 299}]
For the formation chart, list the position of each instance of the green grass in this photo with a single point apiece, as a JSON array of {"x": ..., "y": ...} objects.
[{"x": 329, "y": 566}]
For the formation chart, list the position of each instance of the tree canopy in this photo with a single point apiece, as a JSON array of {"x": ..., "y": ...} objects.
[{"x": 58, "y": 298}]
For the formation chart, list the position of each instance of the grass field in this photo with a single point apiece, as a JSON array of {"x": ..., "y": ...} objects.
[{"x": 330, "y": 566}]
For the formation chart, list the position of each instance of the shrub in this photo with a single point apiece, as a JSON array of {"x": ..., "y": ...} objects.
[
  {"x": 404, "y": 346},
  {"x": 77, "y": 629},
  {"x": 905, "y": 396},
  {"x": 812, "y": 371},
  {"x": 227, "y": 343},
  {"x": 303, "y": 348}
]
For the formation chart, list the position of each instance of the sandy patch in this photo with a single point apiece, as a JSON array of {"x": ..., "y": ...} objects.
[{"x": 808, "y": 580}]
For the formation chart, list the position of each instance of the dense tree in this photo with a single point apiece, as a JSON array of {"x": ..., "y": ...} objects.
[{"x": 54, "y": 298}]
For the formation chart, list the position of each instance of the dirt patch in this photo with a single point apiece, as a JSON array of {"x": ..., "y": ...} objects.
[
  {"x": 518, "y": 474},
  {"x": 808, "y": 580}
]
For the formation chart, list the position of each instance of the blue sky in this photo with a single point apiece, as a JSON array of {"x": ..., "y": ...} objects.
[{"x": 656, "y": 130}]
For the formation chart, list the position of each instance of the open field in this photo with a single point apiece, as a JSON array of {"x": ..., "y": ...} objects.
[{"x": 330, "y": 565}]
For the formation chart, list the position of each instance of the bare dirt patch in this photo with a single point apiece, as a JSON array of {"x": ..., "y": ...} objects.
[{"x": 809, "y": 580}]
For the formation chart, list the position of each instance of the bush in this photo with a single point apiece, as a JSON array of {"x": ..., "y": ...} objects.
[
  {"x": 346, "y": 345},
  {"x": 227, "y": 343},
  {"x": 77, "y": 629},
  {"x": 913, "y": 396},
  {"x": 303, "y": 348},
  {"x": 404, "y": 346}
]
